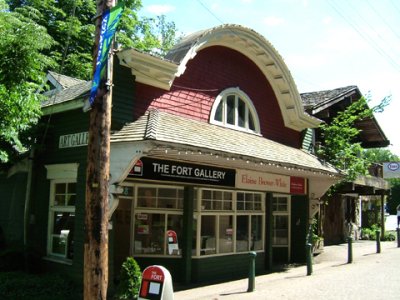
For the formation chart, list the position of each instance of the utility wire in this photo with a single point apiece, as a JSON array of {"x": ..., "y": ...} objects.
[
  {"x": 383, "y": 19},
  {"x": 367, "y": 38}
]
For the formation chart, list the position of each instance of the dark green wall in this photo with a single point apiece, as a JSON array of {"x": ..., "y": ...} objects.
[
  {"x": 12, "y": 204},
  {"x": 225, "y": 268},
  {"x": 123, "y": 96},
  {"x": 60, "y": 124},
  {"x": 299, "y": 227}
]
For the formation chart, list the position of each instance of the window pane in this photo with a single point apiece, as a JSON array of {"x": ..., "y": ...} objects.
[
  {"x": 257, "y": 202},
  {"x": 251, "y": 121},
  {"x": 146, "y": 197},
  {"x": 279, "y": 204},
  {"x": 71, "y": 188},
  {"x": 174, "y": 234},
  {"x": 249, "y": 201},
  {"x": 59, "y": 200},
  {"x": 167, "y": 198},
  {"x": 61, "y": 188},
  {"x": 230, "y": 110},
  {"x": 242, "y": 233},
  {"x": 149, "y": 233},
  {"x": 280, "y": 230},
  {"x": 63, "y": 233},
  {"x": 207, "y": 235},
  {"x": 71, "y": 200},
  {"x": 256, "y": 233},
  {"x": 241, "y": 113},
  {"x": 225, "y": 234},
  {"x": 240, "y": 201},
  {"x": 218, "y": 112}
]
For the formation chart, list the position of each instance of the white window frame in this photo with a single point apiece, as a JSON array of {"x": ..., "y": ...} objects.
[
  {"x": 249, "y": 110},
  {"x": 137, "y": 210},
  {"x": 59, "y": 173},
  {"x": 199, "y": 212}
]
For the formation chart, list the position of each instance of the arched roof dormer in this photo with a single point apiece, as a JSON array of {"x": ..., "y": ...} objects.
[{"x": 161, "y": 73}]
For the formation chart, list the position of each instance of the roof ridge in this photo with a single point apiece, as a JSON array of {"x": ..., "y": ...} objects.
[{"x": 152, "y": 124}]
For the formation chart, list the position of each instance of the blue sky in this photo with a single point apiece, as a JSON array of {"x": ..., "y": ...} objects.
[{"x": 326, "y": 44}]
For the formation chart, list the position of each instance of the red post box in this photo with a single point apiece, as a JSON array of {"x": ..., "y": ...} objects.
[
  {"x": 156, "y": 284},
  {"x": 173, "y": 247}
]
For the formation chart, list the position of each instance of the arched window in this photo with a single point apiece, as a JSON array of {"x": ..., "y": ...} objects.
[{"x": 233, "y": 108}]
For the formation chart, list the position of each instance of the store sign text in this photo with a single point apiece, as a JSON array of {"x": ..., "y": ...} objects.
[
  {"x": 157, "y": 169},
  {"x": 270, "y": 182},
  {"x": 73, "y": 140}
]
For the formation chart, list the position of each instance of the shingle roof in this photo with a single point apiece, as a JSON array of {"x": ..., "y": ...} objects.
[
  {"x": 165, "y": 127},
  {"x": 65, "y": 81},
  {"x": 78, "y": 90},
  {"x": 313, "y": 99}
]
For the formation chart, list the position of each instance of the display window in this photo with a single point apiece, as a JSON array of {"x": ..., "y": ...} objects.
[
  {"x": 280, "y": 215},
  {"x": 157, "y": 226},
  {"x": 229, "y": 222},
  {"x": 224, "y": 221}
]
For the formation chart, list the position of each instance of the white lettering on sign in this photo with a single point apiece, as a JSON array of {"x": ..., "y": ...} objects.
[
  {"x": 73, "y": 140},
  {"x": 185, "y": 171},
  {"x": 262, "y": 181},
  {"x": 155, "y": 276}
]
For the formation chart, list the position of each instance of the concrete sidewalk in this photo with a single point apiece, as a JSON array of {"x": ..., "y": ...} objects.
[{"x": 332, "y": 278}]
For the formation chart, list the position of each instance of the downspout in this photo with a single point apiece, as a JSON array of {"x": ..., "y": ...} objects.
[{"x": 28, "y": 196}]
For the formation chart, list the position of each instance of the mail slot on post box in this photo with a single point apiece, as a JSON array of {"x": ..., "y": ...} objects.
[{"x": 156, "y": 284}]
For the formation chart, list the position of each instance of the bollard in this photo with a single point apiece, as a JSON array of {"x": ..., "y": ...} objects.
[
  {"x": 252, "y": 271},
  {"x": 350, "y": 250},
  {"x": 398, "y": 236},
  {"x": 378, "y": 241},
  {"x": 309, "y": 258}
]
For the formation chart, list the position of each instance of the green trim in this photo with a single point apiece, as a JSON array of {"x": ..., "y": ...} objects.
[
  {"x": 62, "y": 107},
  {"x": 188, "y": 208},
  {"x": 268, "y": 231}
]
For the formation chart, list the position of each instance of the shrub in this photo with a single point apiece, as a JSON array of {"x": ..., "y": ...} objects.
[{"x": 130, "y": 279}]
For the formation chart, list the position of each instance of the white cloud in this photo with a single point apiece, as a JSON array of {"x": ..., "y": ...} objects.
[
  {"x": 273, "y": 21},
  {"x": 160, "y": 9}
]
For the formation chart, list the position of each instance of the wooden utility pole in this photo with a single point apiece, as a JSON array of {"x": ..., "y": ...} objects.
[{"x": 97, "y": 181}]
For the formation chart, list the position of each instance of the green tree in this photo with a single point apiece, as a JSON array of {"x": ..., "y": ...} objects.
[
  {"x": 379, "y": 155},
  {"x": 340, "y": 146},
  {"x": 71, "y": 24},
  {"x": 21, "y": 71}
]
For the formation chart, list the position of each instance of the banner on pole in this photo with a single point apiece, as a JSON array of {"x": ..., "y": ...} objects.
[{"x": 110, "y": 20}]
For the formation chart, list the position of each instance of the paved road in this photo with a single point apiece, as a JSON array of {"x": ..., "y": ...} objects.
[{"x": 371, "y": 276}]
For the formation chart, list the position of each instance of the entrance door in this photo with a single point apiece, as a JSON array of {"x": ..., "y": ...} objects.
[{"x": 281, "y": 228}]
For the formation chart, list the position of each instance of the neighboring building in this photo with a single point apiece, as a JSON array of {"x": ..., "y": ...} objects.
[
  {"x": 206, "y": 163},
  {"x": 346, "y": 206}
]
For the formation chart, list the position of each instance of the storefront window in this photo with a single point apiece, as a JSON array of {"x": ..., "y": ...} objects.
[
  {"x": 208, "y": 226},
  {"x": 234, "y": 232},
  {"x": 158, "y": 221},
  {"x": 216, "y": 200},
  {"x": 280, "y": 212},
  {"x": 281, "y": 230},
  {"x": 256, "y": 233},
  {"x": 225, "y": 234},
  {"x": 242, "y": 233}
]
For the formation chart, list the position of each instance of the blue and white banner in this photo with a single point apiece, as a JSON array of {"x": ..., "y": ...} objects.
[{"x": 110, "y": 20}]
